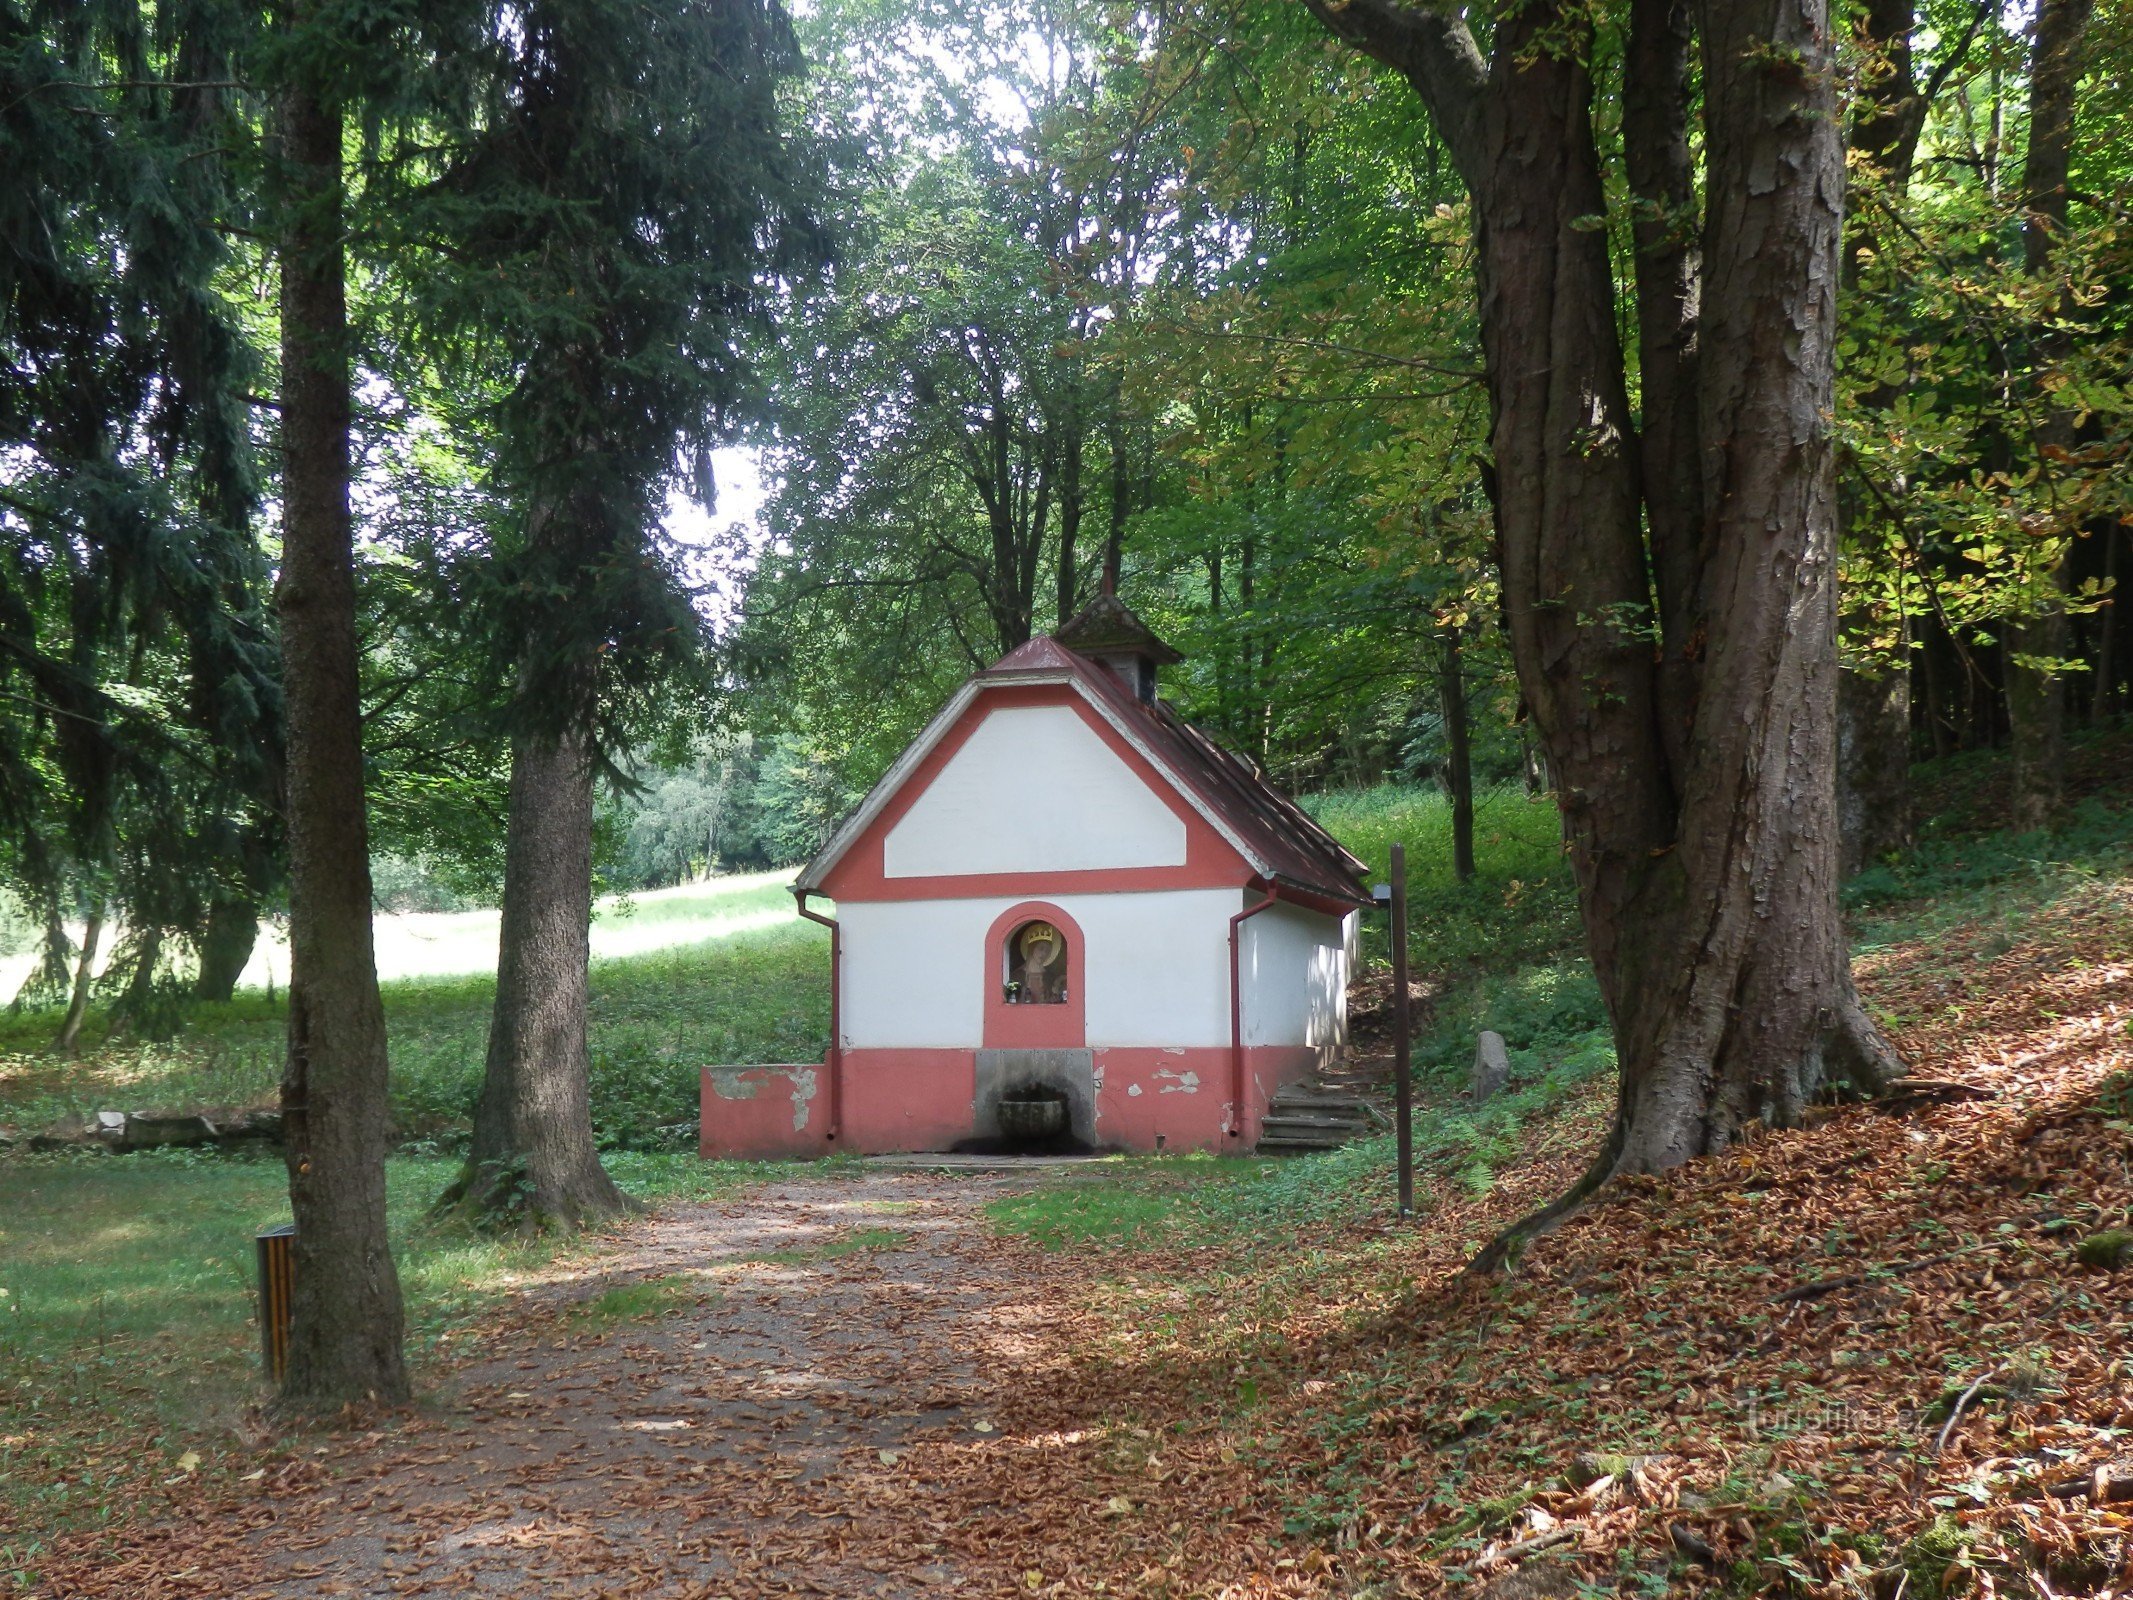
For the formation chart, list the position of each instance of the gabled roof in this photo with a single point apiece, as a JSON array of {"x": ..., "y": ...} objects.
[{"x": 1278, "y": 840}]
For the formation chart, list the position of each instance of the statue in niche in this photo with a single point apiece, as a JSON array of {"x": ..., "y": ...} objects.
[{"x": 1036, "y": 966}]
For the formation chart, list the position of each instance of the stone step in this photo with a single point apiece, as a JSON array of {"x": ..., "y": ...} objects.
[
  {"x": 1304, "y": 1123},
  {"x": 1336, "y": 1104},
  {"x": 1269, "y": 1145}
]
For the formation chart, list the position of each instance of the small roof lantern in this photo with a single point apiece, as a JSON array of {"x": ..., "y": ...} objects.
[{"x": 1106, "y": 632}]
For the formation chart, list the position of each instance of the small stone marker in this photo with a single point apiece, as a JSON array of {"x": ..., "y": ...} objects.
[{"x": 1492, "y": 1066}]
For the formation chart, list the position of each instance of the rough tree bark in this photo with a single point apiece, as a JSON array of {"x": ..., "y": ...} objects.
[
  {"x": 532, "y": 1159},
  {"x": 1696, "y": 780},
  {"x": 1458, "y": 749},
  {"x": 345, "y": 1344},
  {"x": 2036, "y": 697}
]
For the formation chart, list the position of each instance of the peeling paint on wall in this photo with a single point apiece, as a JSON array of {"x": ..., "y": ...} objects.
[
  {"x": 738, "y": 1085},
  {"x": 803, "y": 1096},
  {"x": 1181, "y": 1082},
  {"x": 1133, "y": 1091}
]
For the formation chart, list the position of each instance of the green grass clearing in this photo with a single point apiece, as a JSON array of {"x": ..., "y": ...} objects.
[
  {"x": 643, "y": 1301},
  {"x": 755, "y": 993},
  {"x": 844, "y": 1244}
]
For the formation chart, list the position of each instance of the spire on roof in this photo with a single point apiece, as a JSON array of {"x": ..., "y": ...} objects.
[{"x": 1108, "y": 633}]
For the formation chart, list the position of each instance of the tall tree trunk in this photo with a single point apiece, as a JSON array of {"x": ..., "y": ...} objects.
[
  {"x": 1697, "y": 790},
  {"x": 1874, "y": 696},
  {"x": 69, "y": 1039},
  {"x": 1734, "y": 991},
  {"x": 1459, "y": 755},
  {"x": 1873, "y": 762},
  {"x": 2036, "y": 694},
  {"x": 345, "y": 1344},
  {"x": 226, "y": 945},
  {"x": 533, "y": 1159}
]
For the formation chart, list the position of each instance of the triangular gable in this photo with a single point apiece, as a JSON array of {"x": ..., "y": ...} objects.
[
  {"x": 1256, "y": 823},
  {"x": 966, "y": 714},
  {"x": 1033, "y": 788}
]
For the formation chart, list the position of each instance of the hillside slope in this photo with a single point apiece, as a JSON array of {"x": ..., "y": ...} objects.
[{"x": 1884, "y": 1354}]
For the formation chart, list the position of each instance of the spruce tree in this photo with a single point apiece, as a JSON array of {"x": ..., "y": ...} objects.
[{"x": 601, "y": 246}]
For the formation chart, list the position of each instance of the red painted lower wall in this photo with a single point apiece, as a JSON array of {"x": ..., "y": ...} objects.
[
  {"x": 1146, "y": 1099},
  {"x": 907, "y": 1099},
  {"x": 764, "y": 1113}
]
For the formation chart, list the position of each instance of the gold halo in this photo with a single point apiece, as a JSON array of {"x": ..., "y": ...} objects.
[{"x": 1036, "y": 934}]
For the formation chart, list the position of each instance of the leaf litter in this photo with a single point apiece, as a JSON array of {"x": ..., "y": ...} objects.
[{"x": 1867, "y": 1357}]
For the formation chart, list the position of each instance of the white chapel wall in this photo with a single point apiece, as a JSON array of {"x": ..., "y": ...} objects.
[
  {"x": 1158, "y": 965},
  {"x": 1294, "y": 968},
  {"x": 1153, "y": 968},
  {"x": 1033, "y": 789},
  {"x": 911, "y": 973}
]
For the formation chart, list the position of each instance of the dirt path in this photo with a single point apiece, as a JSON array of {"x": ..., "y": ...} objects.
[{"x": 747, "y": 1444}]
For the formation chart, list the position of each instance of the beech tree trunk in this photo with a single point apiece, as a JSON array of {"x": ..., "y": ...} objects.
[
  {"x": 69, "y": 1039},
  {"x": 345, "y": 1344},
  {"x": 1696, "y": 780},
  {"x": 1459, "y": 753},
  {"x": 2036, "y": 694},
  {"x": 226, "y": 946},
  {"x": 1874, "y": 696},
  {"x": 533, "y": 1158}
]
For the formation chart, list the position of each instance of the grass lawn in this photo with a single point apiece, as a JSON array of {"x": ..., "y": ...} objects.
[{"x": 722, "y": 974}]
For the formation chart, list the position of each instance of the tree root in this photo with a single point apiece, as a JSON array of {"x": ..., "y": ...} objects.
[
  {"x": 1503, "y": 1250},
  {"x": 501, "y": 1197}
]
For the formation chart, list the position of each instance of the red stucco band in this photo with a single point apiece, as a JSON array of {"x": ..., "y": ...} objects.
[{"x": 1146, "y": 1099}]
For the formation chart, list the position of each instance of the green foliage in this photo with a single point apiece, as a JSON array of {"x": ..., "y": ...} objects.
[
  {"x": 759, "y": 803},
  {"x": 140, "y": 737},
  {"x": 588, "y": 228},
  {"x": 1520, "y": 907},
  {"x": 2094, "y": 836}
]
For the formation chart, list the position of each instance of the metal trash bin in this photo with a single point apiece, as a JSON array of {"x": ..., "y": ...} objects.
[{"x": 277, "y": 1283}]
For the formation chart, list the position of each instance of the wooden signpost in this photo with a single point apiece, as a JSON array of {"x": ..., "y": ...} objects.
[{"x": 1402, "y": 1082}]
